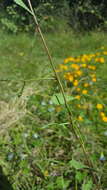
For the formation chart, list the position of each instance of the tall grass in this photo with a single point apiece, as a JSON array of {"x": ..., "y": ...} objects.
[{"x": 23, "y": 58}]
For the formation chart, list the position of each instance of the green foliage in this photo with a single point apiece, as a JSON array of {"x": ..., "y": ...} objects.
[
  {"x": 15, "y": 19},
  {"x": 8, "y": 25},
  {"x": 81, "y": 15},
  {"x": 77, "y": 165},
  {"x": 88, "y": 15},
  {"x": 58, "y": 99},
  {"x": 37, "y": 150},
  {"x": 87, "y": 185}
]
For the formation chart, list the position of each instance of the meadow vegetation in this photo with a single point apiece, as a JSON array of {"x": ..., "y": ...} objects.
[{"x": 38, "y": 149}]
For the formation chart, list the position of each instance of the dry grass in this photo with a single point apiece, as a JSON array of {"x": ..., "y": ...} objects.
[{"x": 13, "y": 111}]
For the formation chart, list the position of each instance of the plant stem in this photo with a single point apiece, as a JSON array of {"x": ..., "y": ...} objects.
[{"x": 75, "y": 129}]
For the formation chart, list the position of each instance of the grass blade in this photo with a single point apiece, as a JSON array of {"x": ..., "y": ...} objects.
[{"x": 21, "y": 4}]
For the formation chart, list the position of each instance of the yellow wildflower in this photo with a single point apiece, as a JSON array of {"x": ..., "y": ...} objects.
[
  {"x": 94, "y": 79},
  {"x": 80, "y": 118},
  {"x": 92, "y": 67},
  {"x": 66, "y": 60},
  {"x": 77, "y": 60},
  {"x": 77, "y": 97},
  {"x": 84, "y": 65},
  {"x": 86, "y": 85},
  {"x": 105, "y": 52},
  {"x": 75, "y": 83},
  {"x": 63, "y": 67},
  {"x": 46, "y": 174},
  {"x": 104, "y": 118},
  {"x": 79, "y": 73},
  {"x": 102, "y": 114},
  {"x": 75, "y": 66},
  {"x": 69, "y": 77},
  {"x": 84, "y": 92},
  {"x": 69, "y": 59},
  {"x": 99, "y": 106},
  {"x": 84, "y": 58},
  {"x": 100, "y": 60}
]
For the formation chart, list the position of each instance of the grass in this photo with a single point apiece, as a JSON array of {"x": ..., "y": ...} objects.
[{"x": 38, "y": 151}]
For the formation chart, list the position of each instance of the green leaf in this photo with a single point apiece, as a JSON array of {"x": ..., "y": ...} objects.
[
  {"x": 61, "y": 183},
  {"x": 20, "y": 3},
  {"x": 77, "y": 165},
  {"x": 87, "y": 186},
  {"x": 79, "y": 176},
  {"x": 58, "y": 98}
]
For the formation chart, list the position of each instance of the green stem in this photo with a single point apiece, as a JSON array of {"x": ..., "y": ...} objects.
[{"x": 75, "y": 129}]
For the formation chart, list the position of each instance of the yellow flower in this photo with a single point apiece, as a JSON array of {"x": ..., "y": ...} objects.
[
  {"x": 100, "y": 60},
  {"x": 85, "y": 58},
  {"x": 75, "y": 83},
  {"x": 77, "y": 60},
  {"x": 92, "y": 67},
  {"x": 80, "y": 118},
  {"x": 105, "y": 52},
  {"x": 79, "y": 73},
  {"x": 84, "y": 92},
  {"x": 78, "y": 89},
  {"x": 99, "y": 106},
  {"x": 94, "y": 79},
  {"x": 102, "y": 114},
  {"x": 86, "y": 85},
  {"x": 69, "y": 77},
  {"x": 63, "y": 67},
  {"x": 46, "y": 174},
  {"x": 77, "y": 97},
  {"x": 66, "y": 60},
  {"x": 69, "y": 59},
  {"x": 104, "y": 118},
  {"x": 75, "y": 66},
  {"x": 84, "y": 65}
]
